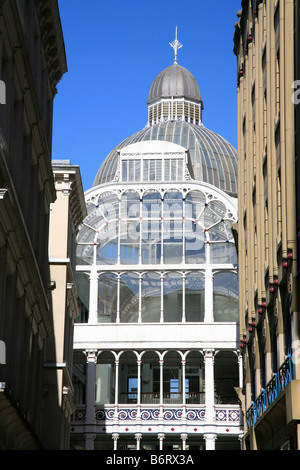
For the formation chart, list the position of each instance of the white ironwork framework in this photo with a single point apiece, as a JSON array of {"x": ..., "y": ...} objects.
[
  {"x": 152, "y": 254},
  {"x": 156, "y": 358}
]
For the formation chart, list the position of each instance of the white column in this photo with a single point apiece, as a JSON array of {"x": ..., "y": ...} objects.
[
  {"x": 183, "y": 226},
  {"x": 91, "y": 386},
  {"x": 140, "y": 298},
  {"x": 183, "y": 298},
  {"x": 115, "y": 437},
  {"x": 138, "y": 438},
  {"x": 161, "y": 388},
  {"x": 93, "y": 310},
  {"x": 90, "y": 397},
  {"x": 118, "y": 298},
  {"x": 210, "y": 440},
  {"x": 183, "y": 437},
  {"x": 139, "y": 364},
  {"x": 161, "y": 437},
  {"x": 209, "y": 386},
  {"x": 183, "y": 362},
  {"x": 161, "y": 298},
  {"x": 116, "y": 386}
]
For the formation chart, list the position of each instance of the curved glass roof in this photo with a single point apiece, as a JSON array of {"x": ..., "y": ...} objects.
[{"x": 214, "y": 160}]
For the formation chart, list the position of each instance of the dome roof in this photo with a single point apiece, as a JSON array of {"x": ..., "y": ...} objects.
[
  {"x": 175, "y": 81},
  {"x": 213, "y": 159}
]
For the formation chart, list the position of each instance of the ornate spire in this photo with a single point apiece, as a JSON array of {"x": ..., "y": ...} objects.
[{"x": 176, "y": 45}]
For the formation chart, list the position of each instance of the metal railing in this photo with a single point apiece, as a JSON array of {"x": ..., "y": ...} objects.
[
  {"x": 172, "y": 398},
  {"x": 269, "y": 394}
]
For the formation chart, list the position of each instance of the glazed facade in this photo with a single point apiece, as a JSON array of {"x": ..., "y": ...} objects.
[{"x": 156, "y": 358}]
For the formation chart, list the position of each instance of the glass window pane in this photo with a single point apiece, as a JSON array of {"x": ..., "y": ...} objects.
[
  {"x": 151, "y": 242},
  {"x": 129, "y": 298},
  {"x": 173, "y": 297},
  {"x": 129, "y": 242},
  {"x": 195, "y": 247},
  {"x": 107, "y": 298},
  {"x": 223, "y": 253},
  {"x": 151, "y": 297},
  {"x": 173, "y": 227},
  {"x": 124, "y": 171},
  {"x": 130, "y": 205},
  {"x": 226, "y": 297},
  {"x": 83, "y": 291},
  {"x": 194, "y": 205},
  {"x": 194, "y": 297}
]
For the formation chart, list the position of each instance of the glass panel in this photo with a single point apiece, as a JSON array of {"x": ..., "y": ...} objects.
[
  {"x": 171, "y": 385},
  {"x": 132, "y": 389},
  {"x": 107, "y": 298},
  {"x": 151, "y": 242},
  {"x": 151, "y": 297},
  {"x": 85, "y": 254},
  {"x": 194, "y": 205},
  {"x": 173, "y": 228},
  {"x": 194, "y": 225},
  {"x": 214, "y": 212},
  {"x": 137, "y": 171},
  {"x": 109, "y": 206},
  {"x": 226, "y": 297},
  {"x": 145, "y": 170},
  {"x": 194, "y": 297},
  {"x": 105, "y": 383},
  {"x": 124, "y": 171},
  {"x": 129, "y": 298},
  {"x": 107, "y": 249},
  {"x": 151, "y": 207},
  {"x": 83, "y": 291},
  {"x": 131, "y": 171},
  {"x": 151, "y": 228},
  {"x": 130, "y": 205},
  {"x": 129, "y": 242},
  {"x": 195, "y": 248},
  {"x": 173, "y": 242},
  {"x": 223, "y": 253},
  {"x": 173, "y": 297}
]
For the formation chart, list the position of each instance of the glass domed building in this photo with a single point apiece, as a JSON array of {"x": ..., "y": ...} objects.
[{"x": 156, "y": 350}]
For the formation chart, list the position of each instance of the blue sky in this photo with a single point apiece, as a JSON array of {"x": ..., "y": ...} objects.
[{"x": 116, "y": 48}]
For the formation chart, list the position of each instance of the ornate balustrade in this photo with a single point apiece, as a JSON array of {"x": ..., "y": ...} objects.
[{"x": 224, "y": 414}]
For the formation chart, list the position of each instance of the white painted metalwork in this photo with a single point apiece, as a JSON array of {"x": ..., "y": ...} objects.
[
  {"x": 176, "y": 45},
  {"x": 157, "y": 282}
]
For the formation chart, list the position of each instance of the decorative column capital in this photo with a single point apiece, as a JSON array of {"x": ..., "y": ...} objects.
[{"x": 91, "y": 355}]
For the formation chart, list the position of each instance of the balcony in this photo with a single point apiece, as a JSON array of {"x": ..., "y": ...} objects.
[
  {"x": 268, "y": 395},
  {"x": 151, "y": 417}
]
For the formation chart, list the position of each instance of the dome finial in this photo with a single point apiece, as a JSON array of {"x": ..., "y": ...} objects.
[{"x": 176, "y": 45}]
